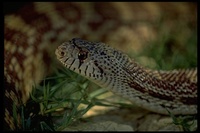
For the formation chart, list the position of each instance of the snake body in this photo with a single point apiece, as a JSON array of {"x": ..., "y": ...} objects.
[
  {"x": 32, "y": 33},
  {"x": 154, "y": 90}
]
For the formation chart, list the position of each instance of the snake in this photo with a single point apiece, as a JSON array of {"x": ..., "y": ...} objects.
[
  {"x": 157, "y": 91},
  {"x": 33, "y": 31}
]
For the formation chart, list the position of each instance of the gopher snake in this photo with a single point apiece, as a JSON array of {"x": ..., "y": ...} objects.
[
  {"x": 32, "y": 34},
  {"x": 153, "y": 90}
]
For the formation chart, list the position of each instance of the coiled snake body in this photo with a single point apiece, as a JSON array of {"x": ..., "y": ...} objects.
[{"x": 32, "y": 34}]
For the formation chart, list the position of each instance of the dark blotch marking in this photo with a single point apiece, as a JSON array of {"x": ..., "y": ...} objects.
[
  {"x": 72, "y": 63},
  {"x": 70, "y": 11},
  {"x": 136, "y": 86},
  {"x": 189, "y": 100},
  {"x": 96, "y": 64}
]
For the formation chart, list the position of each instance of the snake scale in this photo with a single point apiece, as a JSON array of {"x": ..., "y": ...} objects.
[{"x": 32, "y": 33}]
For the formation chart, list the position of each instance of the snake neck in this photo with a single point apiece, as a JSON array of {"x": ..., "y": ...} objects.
[
  {"x": 144, "y": 87},
  {"x": 156, "y": 84}
]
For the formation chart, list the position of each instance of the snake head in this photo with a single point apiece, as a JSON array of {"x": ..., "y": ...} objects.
[{"x": 93, "y": 60}]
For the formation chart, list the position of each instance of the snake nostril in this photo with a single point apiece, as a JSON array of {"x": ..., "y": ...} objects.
[{"x": 62, "y": 53}]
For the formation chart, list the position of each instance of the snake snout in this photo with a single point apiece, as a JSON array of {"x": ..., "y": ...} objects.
[{"x": 61, "y": 51}]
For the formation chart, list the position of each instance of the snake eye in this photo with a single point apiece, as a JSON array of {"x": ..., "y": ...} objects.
[{"x": 82, "y": 55}]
